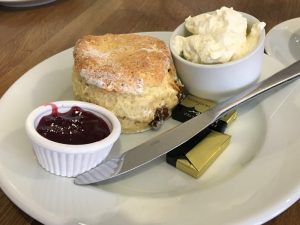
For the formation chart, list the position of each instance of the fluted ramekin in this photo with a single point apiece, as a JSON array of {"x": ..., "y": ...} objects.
[{"x": 67, "y": 159}]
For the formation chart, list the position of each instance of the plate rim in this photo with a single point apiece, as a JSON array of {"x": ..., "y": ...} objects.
[
  {"x": 24, "y": 3},
  {"x": 269, "y": 36}
]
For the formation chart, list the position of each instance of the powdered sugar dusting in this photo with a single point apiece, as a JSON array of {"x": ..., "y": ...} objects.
[
  {"x": 122, "y": 63},
  {"x": 106, "y": 81},
  {"x": 151, "y": 50},
  {"x": 90, "y": 51}
]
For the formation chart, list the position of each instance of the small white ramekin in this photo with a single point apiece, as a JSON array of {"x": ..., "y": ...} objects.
[
  {"x": 218, "y": 82},
  {"x": 71, "y": 160}
]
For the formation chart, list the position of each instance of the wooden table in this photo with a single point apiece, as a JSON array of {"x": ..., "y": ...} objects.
[{"x": 30, "y": 35}]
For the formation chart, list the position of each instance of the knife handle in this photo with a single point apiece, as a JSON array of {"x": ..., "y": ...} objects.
[{"x": 282, "y": 77}]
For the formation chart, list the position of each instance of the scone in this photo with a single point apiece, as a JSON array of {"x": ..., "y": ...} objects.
[{"x": 129, "y": 74}]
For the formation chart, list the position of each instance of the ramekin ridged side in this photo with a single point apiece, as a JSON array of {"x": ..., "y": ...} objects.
[
  {"x": 68, "y": 164},
  {"x": 71, "y": 160}
]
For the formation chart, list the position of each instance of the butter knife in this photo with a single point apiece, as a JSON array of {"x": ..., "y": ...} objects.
[{"x": 167, "y": 141}]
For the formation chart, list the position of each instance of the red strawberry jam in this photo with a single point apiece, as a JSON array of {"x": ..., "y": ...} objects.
[{"x": 75, "y": 127}]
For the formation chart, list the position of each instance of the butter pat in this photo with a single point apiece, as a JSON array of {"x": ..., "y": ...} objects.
[
  {"x": 196, "y": 155},
  {"x": 192, "y": 106},
  {"x": 198, "y": 160}
]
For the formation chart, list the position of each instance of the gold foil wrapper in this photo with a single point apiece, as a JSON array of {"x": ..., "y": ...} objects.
[
  {"x": 230, "y": 117},
  {"x": 199, "y": 153},
  {"x": 200, "y": 158},
  {"x": 200, "y": 104}
]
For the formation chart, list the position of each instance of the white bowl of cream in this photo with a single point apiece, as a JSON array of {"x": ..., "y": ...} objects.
[{"x": 219, "y": 64}]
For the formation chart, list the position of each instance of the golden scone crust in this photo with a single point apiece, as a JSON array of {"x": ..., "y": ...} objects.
[{"x": 130, "y": 74}]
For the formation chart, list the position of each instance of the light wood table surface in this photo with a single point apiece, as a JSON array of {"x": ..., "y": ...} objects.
[{"x": 30, "y": 35}]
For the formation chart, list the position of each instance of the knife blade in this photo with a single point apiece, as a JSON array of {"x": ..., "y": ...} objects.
[{"x": 167, "y": 141}]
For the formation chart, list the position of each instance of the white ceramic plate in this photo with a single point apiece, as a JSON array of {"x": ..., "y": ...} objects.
[
  {"x": 256, "y": 178},
  {"x": 24, "y": 3},
  {"x": 283, "y": 41}
]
